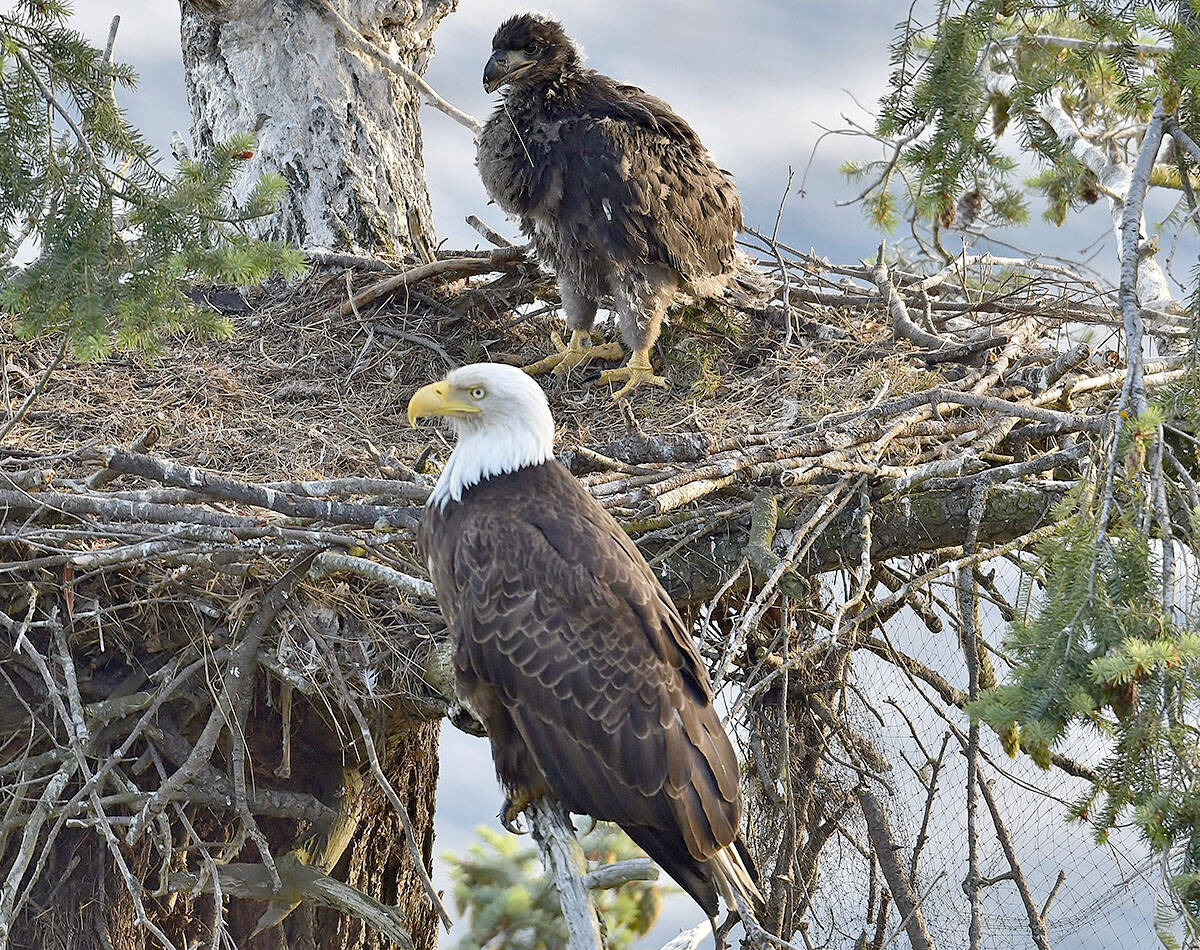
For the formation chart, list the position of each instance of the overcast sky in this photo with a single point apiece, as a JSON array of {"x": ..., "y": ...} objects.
[{"x": 758, "y": 79}]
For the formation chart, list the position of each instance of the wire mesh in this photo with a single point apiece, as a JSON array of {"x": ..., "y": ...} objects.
[{"x": 1091, "y": 895}]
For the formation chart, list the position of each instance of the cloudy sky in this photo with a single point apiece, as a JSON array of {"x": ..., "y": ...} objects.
[{"x": 758, "y": 79}]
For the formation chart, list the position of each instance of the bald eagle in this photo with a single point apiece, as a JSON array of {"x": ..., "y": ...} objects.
[
  {"x": 566, "y": 645},
  {"x": 620, "y": 196}
]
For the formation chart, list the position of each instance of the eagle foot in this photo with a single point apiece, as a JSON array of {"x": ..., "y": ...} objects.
[
  {"x": 635, "y": 374},
  {"x": 515, "y": 804},
  {"x": 579, "y": 351}
]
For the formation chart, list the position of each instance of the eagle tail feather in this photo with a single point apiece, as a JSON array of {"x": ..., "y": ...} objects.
[
  {"x": 736, "y": 877},
  {"x": 671, "y": 854},
  {"x": 747, "y": 286}
]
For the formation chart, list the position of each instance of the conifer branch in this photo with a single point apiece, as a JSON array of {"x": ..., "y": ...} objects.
[
  {"x": 1049, "y": 41},
  {"x": 58, "y": 107},
  {"x": 1114, "y": 178}
]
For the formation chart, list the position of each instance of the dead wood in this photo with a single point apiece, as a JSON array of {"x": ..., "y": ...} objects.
[{"x": 887, "y": 851}]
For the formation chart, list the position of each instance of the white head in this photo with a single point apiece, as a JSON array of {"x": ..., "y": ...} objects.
[{"x": 500, "y": 416}]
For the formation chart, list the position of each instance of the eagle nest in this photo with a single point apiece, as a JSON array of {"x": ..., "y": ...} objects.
[{"x": 229, "y": 531}]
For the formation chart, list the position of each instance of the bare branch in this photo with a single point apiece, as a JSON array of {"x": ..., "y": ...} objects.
[
  {"x": 299, "y": 882},
  {"x": 886, "y": 851},
  {"x": 563, "y": 858}
]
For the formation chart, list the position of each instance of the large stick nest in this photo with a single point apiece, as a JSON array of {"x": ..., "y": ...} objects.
[{"x": 244, "y": 511}]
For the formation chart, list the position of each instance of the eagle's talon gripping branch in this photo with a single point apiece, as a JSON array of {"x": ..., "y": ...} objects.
[
  {"x": 578, "y": 352},
  {"x": 512, "y": 814},
  {"x": 636, "y": 373}
]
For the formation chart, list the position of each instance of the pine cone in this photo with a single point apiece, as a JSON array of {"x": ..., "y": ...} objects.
[
  {"x": 969, "y": 206},
  {"x": 946, "y": 213},
  {"x": 1010, "y": 739},
  {"x": 1000, "y": 110}
]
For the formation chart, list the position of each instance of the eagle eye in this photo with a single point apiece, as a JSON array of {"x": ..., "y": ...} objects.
[
  {"x": 533, "y": 49},
  {"x": 478, "y": 392}
]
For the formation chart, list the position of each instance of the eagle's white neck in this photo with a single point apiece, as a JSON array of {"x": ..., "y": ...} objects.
[
  {"x": 514, "y": 430},
  {"x": 485, "y": 453}
]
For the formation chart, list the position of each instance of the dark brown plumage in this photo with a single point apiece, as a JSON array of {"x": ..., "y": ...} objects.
[
  {"x": 589, "y": 685},
  {"x": 620, "y": 196},
  {"x": 568, "y": 648}
]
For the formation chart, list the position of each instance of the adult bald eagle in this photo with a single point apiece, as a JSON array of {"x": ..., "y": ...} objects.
[
  {"x": 621, "y": 198},
  {"x": 567, "y": 646}
]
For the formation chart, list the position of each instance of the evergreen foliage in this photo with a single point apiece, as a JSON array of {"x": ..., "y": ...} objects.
[
  {"x": 954, "y": 134},
  {"x": 1107, "y": 637},
  {"x": 116, "y": 238},
  {"x": 509, "y": 903}
]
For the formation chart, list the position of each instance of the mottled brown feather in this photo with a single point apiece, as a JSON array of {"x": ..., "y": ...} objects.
[{"x": 616, "y": 190}]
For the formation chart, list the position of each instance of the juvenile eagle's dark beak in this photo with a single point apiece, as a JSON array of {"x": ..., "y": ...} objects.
[{"x": 502, "y": 67}]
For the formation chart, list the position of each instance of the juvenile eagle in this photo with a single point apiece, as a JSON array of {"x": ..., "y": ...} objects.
[
  {"x": 621, "y": 198},
  {"x": 566, "y": 645}
]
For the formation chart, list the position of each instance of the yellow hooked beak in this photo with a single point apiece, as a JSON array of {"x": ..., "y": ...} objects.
[{"x": 438, "y": 399}]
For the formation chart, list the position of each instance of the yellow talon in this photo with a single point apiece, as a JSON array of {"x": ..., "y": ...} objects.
[
  {"x": 635, "y": 374},
  {"x": 576, "y": 353},
  {"x": 514, "y": 806}
]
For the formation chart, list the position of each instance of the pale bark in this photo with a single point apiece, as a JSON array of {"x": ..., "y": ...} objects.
[
  {"x": 341, "y": 128},
  {"x": 1113, "y": 176}
]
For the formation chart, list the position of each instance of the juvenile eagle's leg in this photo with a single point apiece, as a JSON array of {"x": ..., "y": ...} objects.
[
  {"x": 634, "y": 374},
  {"x": 581, "y": 314},
  {"x": 641, "y": 305}
]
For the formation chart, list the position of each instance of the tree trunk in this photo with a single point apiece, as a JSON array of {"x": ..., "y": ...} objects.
[
  {"x": 339, "y": 127},
  {"x": 344, "y": 133}
]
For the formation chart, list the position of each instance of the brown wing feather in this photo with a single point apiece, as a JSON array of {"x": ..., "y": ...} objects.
[
  {"x": 637, "y": 175},
  {"x": 607, "y": 178}
]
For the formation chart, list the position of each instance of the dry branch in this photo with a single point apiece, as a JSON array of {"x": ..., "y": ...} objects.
[
  {"x": 1037, "y": 925},
  {"x": 564, "y": 862},
  {"x": 902, "y": 323},
  {"x": 457, "y": 267},
  {"x": 887, "y": 851},
  {"x": 300, "y": 882}
]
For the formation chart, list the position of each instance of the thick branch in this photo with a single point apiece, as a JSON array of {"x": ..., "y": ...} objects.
[
  {"x": 925, "y": 521},
  {"x": 1113, "y": 176},
  {"x": 300, "y": 882},
  {"x": 1132, "y": 261},
  {"x": 886, "y": 851},
  {"x": 563, "y": 858},
  {"x": 450, "y": 267},
  {"x": 902, "y": 323},
  {"x": 217, "y": 486},
  {"x": 327, "y": 563},
  {"x": 621, "y": 872}
]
